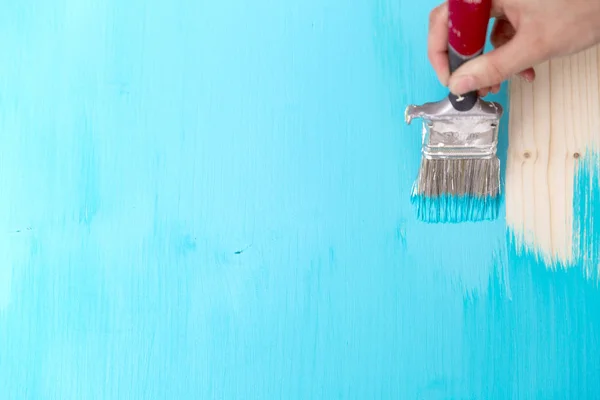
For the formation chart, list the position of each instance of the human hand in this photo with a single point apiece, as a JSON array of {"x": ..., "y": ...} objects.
[{"x": 525, "y": 33}]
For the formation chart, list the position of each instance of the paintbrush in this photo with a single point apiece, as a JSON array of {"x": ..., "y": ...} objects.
[{"x": 459, "y": 177}]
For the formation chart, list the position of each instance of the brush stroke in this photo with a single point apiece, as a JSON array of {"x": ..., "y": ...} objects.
[
  {"x": 585, "y": 257},
  {"x": 538, "y": 341},
  {"x": 586, "y": 204}
]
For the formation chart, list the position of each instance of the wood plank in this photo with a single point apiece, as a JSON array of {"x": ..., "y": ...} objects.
[{"x": 553, "y": 123}]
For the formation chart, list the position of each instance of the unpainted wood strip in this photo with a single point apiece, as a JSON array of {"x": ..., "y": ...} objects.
[
  {"x": 530, "y": 155},
  {"x": 559, "y": 170},
  {"x": 593, "y": 96},
  {"x": 577, "y": 134},
  {"x": 542, "y": 140},
  {"x": 514, "y": 180}
]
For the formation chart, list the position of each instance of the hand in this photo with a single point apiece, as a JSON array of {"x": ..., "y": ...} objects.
[{"x": 525, "y": 33}]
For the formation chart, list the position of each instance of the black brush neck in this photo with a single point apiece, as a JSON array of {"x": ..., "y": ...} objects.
[{"x": 466, "y": 101}]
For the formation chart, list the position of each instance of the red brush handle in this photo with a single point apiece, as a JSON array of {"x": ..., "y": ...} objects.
[
  {"x": 467, "y": 31},
  {"x": 467, "y": 25}
]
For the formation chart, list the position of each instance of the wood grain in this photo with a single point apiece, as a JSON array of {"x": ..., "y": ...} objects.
[{"x": 554, "y": 124}]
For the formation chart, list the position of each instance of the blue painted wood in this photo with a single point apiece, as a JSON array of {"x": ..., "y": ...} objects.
[{"x": 211, "y": 200}]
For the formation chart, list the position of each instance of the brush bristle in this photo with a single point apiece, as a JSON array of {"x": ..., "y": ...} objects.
[
  {"x": 459, "y": 177},
  {"x": 457, "y": 190},
  {"x": 456, "y": 209}
]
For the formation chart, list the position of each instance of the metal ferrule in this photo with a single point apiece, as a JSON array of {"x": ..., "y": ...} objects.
[{"x": 449, "y": 133}]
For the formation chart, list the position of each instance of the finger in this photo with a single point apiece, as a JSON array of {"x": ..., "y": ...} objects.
[
  {"x": 496, "y": 66},
  {"x": 497, "y": 10},
  {"x": 528, "y": 74},
  {"x": 502, "y": 32},
  {"x": 437, "y": 42},
  {"x": 483, "y": 92}
]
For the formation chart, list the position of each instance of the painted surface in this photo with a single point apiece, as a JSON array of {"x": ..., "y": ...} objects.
[{"x": 212, "y": 200}]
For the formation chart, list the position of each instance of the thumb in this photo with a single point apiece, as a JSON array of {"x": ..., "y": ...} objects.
[{"x": 494, "y": 67}]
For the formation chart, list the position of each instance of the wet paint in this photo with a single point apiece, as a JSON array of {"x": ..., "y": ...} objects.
[
  {"x": 456, "y": 209},
  {"x": 586, "y": 203},
  {"x": 212, "y": 200}
]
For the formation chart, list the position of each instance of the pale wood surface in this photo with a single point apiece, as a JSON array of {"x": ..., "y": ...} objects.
[{"x": 553, "y": 123}]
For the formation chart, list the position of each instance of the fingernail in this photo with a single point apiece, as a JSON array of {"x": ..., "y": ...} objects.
[
  {"x": 525, "y": 76},
  {"x": 463, "y": 84}
]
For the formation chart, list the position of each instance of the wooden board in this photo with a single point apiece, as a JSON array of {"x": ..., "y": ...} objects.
[{"x": 554, "y": 125}]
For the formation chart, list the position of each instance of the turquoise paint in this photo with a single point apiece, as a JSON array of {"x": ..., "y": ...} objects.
[
  {"x": 456, "y": 209},
  {"x": 212, "y": 200},
  {"x": 539, "y": 340},
  {"x": 586, "y": 205}
]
